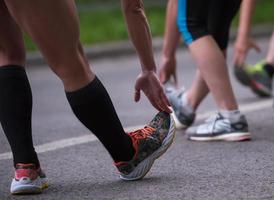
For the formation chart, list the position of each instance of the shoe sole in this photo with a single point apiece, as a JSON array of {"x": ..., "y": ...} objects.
[
  {"x": 259, "y": 89},
  {"x": 29, "y": 189},
  {"x": 256, "y": 87},
  {"x": 232, "y": 137},
  {"x": 144, "y": 167}
]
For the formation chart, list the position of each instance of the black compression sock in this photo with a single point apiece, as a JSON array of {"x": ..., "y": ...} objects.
[
  {"x": 93, "y": 107},
  {"x": 269, "y": 69},
  {"x": 15, "y": 113}
]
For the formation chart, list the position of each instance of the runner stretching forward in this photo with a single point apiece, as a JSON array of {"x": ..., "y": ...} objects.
[
  {"x": 54, "y": 27},
  {"x": 204, "y": 25}
]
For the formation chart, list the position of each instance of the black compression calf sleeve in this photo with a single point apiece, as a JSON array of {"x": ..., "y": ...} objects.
[
  {"x": 93, "y": 107},
  {"x": 15, "y": 113},
  {"x": 269, "y": 69}
]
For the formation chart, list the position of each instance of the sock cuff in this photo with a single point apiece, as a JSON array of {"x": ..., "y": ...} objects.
[
  {"x": 230, "y": 113},
  {"x": 12, "y": 71},
  {"x": 82, "y": 94}
]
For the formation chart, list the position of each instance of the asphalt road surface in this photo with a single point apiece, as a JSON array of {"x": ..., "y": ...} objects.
[{"x": 78, "y": 167}]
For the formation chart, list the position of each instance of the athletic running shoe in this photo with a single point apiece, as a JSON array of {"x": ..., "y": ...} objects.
[
  {"x": 256, "y": 78},
  {"x": 241, "y": 74},
  {"x": 149, "y": 143},
  {"x": 218, "y": 128},
  {"x": 28, "y": 180},
  {"x": 183, "y": 115}
]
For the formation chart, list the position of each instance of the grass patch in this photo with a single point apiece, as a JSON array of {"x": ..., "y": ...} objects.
[{"x": 105, "y": 26}]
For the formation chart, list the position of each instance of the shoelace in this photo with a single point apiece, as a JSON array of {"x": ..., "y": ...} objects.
[
  {"x": 211, "y": 121},
  {"x": 137, "y": 136},
  {"x": 142, "y": 133}
]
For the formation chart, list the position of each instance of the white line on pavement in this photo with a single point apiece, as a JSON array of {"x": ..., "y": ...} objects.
[{"x": 51, "y": 146}]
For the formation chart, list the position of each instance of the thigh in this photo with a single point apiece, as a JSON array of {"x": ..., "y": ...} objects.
[
  {"x": 221, "y": 14},
  {"x": 54, "y": 27},
  {"x": 12, "y": 49},
  {"x": 192, "y": 18},
  {"x": 52, "y": 24}
]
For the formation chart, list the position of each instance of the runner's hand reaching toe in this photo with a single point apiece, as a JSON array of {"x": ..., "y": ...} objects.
[
  {"x": 168, "y": 71},
  {"x": 242, "y": 46},
  {"x": 149, "y": 83}
]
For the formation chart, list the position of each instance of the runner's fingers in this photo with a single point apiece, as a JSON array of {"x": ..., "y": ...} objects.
[
  {"x": 137, "y": 95},
  {"x": 236, "y": 59},
  {"x": 165, "y": 99},
  {"x": 162, "y": 76},
  {"x": 240, "y": 57},
  {"x": 155, "y": 104},
  {"x": 256, "y": 47},
  {"x": 163, "y": 104}
]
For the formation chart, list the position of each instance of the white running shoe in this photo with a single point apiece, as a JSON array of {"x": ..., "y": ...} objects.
[
  {"x": 219, "y": 128},
  {"x": 28, "y": 180}
]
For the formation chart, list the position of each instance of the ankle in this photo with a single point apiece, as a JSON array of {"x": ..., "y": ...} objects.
[
  {"x": 231, "y": 114},
  {"x": 187, "y": 102}
]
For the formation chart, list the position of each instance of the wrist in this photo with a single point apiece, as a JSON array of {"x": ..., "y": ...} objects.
[
  {"x": 243, "y": 34},
  {"x": 241, "y": 40},
  {"x": 148, "y": 74},
  {"x": 149, "y": 70}
]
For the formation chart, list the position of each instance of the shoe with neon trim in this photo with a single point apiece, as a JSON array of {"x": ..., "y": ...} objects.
[
  {"x": 28, "y": 180},
  {"x": 241, "y": 74},
  {"x": 256, "y": 78},
  {"x": 149, "y": 143}
]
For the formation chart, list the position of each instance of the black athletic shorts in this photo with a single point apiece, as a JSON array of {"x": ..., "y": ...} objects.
[{"x": 198, "y": 18}]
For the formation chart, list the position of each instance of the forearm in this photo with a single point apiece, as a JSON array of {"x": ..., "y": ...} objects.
[
  {"x": 172, "y": 35},
  {"x": 247, "y": 9},
  {"x": 139, "y": 32}
]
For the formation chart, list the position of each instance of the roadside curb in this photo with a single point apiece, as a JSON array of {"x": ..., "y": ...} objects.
[{"x": 122, "y": 48}]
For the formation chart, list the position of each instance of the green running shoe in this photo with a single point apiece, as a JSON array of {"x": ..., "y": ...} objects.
[{"x": 255, "y": 77}]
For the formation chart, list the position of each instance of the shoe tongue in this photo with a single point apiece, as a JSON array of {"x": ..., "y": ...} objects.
[{"x": 25, "y": 166}]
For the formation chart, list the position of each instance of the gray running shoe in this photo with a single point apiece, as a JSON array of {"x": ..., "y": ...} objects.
[
  {"x": 183, "y": 115},
  {"x": 218, "y": 128},
  {"x": 149, "y": 143}
]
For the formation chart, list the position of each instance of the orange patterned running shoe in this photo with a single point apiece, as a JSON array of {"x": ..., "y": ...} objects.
[{"x": 149, "y": 143}]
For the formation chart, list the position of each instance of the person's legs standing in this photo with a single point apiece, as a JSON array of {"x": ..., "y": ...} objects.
[
  {"x": 15, "y": 91},
  {"x": 16, "y": 106}
]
